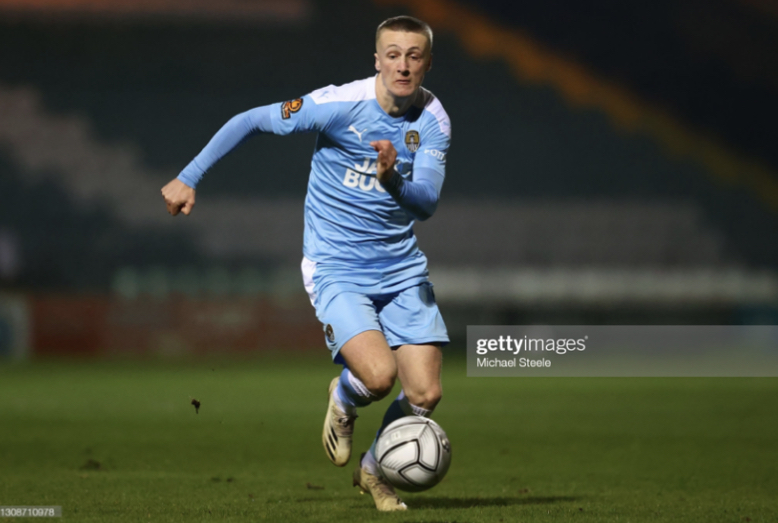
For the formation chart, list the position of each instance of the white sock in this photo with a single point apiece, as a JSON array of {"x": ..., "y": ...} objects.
[
  {"x": 350, "y": 410},
  {"x": 359, "y": 387},
  {"x": 370, "y": 465},
  {"x": 352, "y": 393},
  {"x": 410, "y": 409}
]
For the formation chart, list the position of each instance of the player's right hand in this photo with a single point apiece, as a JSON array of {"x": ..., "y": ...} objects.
[
  {"x": 179, "y": 197},
  {"x": 387, "y": 156}
]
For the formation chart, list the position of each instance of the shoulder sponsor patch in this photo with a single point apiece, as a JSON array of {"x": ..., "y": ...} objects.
[
  {"x": 412, "y": 141},
  {"x": 292, "y": 106}
]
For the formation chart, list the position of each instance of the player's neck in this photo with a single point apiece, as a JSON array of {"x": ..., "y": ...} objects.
[{"x": 392, "y": 105}]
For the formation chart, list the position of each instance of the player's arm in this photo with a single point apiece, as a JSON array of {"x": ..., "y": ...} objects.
[
  {"x": 418, "y": 197},
  {"x": 294, "y": 116},
  {"x": 179, "y": 194}
]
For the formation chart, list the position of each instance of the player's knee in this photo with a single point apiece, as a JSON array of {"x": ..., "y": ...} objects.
[
  {"x": 426, "y": 399},
  {"x": 380, "y": 384}
]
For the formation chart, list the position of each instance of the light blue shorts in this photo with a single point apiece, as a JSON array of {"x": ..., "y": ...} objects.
[{"x": 406, "y": 317}]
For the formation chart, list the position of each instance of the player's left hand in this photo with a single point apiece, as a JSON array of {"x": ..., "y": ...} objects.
[{"x": 387, "y": 156}]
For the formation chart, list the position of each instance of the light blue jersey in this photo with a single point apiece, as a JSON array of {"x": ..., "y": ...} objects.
[{"x": 349, "y": 216}]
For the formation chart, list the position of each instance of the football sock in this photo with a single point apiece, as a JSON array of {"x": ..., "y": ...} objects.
[
  {"x": 351, "y": 393},
  {"x": 369, "y": 464},
  {"x": 399, "y": 408}
]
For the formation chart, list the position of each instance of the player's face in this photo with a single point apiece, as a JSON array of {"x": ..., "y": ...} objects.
[{"x": 402, "y": 58}]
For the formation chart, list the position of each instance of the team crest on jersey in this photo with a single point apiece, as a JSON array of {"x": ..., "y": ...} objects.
[
  {"x": 412, "y": 141},
  {"x": 329, "y": 333},
  {"x": 292, "y": 106}
]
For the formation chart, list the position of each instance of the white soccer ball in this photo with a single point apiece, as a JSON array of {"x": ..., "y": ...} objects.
[{"x": 413, "y": 453}]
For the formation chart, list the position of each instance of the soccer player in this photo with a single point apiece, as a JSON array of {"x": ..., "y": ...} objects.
[{"x": 378, "y": 165}]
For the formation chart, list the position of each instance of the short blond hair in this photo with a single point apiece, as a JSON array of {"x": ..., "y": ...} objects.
[{"x": 407, "y": 24}]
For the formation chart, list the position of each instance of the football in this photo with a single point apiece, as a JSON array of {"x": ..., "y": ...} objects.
[{"x": 413, "y": 453}]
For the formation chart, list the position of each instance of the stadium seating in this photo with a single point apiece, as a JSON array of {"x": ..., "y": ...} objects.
[{"x": 532, "y": 181}]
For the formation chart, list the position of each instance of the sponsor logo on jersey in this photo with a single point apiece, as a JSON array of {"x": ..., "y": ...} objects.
[
  {"x": 436, "y": 154},
  {"x": 364, "y": 176},
  {"x": 292, "y": 106},
  {"x": 412, "y": 141},
  {"x": 365, "y": 182},
  {"x": 329, "y": 333}
]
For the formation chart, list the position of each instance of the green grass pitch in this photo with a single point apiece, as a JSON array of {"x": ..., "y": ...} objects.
[{"x": 120, "y": 441}]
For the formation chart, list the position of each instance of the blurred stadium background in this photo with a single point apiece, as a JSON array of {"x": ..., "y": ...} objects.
[{"x": 612, "y": 162}]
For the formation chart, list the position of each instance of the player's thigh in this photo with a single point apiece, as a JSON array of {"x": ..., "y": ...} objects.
[
  {"x": 419, "y": 368},
  {"x": 413, "y": 325},
  {"x": 354, "y": 336},
  {"x": 370, "y": 359}
]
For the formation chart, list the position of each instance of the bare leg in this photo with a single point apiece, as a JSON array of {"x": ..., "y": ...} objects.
[
  {"x": 370, "y": 359},
  {"x": 369, "y": 376},
  {"x": 419, "y": 368}
]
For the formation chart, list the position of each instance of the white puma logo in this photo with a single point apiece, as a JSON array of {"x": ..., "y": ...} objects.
[{"x": 352, "y": 128}]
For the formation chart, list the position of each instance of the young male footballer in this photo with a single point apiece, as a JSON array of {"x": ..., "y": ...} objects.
[{"x": 378, "y": 165}]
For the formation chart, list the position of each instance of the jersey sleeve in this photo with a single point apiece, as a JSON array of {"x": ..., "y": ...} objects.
[
  {"x": 233, "y": 133},
  {"x": 418, "y": 198},
  {"x": 435, "y": 141},
  {"x": 293, "y": 116},
  {"x": 430, "y": 162}
]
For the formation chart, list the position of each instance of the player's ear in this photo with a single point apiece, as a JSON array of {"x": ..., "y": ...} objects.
[
  {"x": 429, "y": 64},
  {"x": 377, "y": 63}
]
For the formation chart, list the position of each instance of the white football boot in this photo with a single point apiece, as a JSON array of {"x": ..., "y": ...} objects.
[
  {"x": 338, "y": 430},
  {"x": 386, "y": 500}
]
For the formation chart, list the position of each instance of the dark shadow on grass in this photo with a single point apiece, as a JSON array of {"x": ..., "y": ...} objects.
[{"x": 486, "y": 502}]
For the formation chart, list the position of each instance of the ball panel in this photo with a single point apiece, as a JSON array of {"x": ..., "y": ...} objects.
[
  {"x": 400, "y": 455},
  {"x": 392, "y": 436},
  {"x": 418, "y": 478},
  {"x": 394, "y": 477},
  {"x": 429, "y": 450}
]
